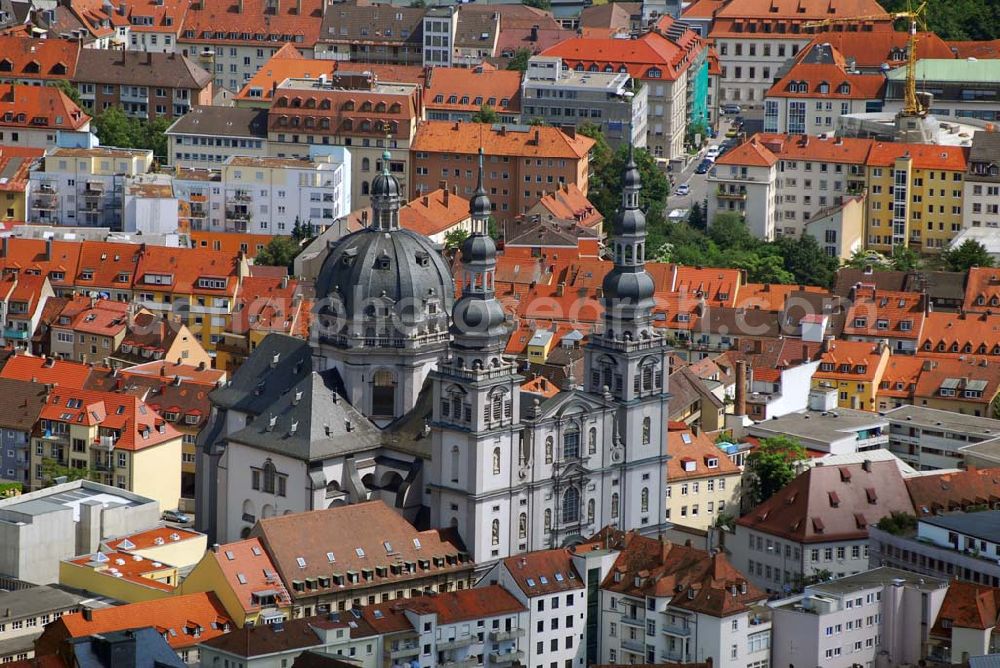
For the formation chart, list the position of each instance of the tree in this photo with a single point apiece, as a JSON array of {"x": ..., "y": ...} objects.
[
  {"x": 114, "y": 128},
  {"x": 538, "y": 4},
  {"x": 969, "y": 254},
  {"x": 731, "y": 231},
  {"x": 957, "y": 19},
  {"x": 898, "y": 523},
  {"x": 773, "y": 465},
  {"x": 863, "y": 259},
  {"x": 280, "y": 251},
  {"x": 696, "y": 217},
  {"x": 808, "y": 263},
  {"x": 455, "y": 238},
  {"x": 51, "y": 469},
  {"x": 519, "y": 61},
  {"x": 486, "y": 114},
  {"x": 903, "y": 258}
]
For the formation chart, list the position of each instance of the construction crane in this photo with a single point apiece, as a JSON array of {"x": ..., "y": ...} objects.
[{"x": 912, "y": 105}]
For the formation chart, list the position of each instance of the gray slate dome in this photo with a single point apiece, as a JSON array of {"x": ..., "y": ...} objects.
[
  {"x": 477, "y": 249},
  {"x": 628, "y": 287},
  {"x": 630, "y": 221},
  {"x": 398, "y": 266},
  {"x": 480, "y": 206},
  {"x": 631, "y": 176},
  {"x": 385, "y": 185},
  {"x": 478, "y": 319}
]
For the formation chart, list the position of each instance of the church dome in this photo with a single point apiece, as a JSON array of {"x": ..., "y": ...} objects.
[
  {"x": 478, "y": 248},
  {"x": 631, "y": 221},
  {"x": 385, "y": 185},
  {"x": 372, "y": 273},
  {"x": 631, "y": 178},
  {"x": 479, "y": 319},
  {"x": 628, "y": 287}
]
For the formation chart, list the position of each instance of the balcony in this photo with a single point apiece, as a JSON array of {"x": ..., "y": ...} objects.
[
  {"x": 634, "y": 646},
  {"x": 455, "y": 644},
  {"x": 404, "y": 650},
  {"x": 500, "y": 636},
  {"x": 731, "y": 194},
  {"x": 506, "y": 657},
  {"x": 239, "y": 196},
  {"x": 672, "y": 656},
  {"x": 634, "y": 621},
  {"x": 682, "y": 630},
  {"x": 460, "y": 663},
  {"x": 872, "y": 442},
  {"x": 14, "y": 333}
]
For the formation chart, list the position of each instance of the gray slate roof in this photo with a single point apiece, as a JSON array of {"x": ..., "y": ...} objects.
[
  {"x": 222, "y": 122},
  {"x": 35, "y": 601},
  {"x": 310, "y": 422},
  {"x": 278, "y": 363},
  {"x": 131, "y": 68}
]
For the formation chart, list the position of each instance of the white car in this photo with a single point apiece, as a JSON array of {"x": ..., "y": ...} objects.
[
  {"x": 682, "y": 189},
  {"x": 713, "y": 152}
]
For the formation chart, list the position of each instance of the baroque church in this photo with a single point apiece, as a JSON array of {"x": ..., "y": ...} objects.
[{"x": 402, "y": 394}]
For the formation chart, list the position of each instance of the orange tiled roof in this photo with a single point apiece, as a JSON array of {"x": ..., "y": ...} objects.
[
  {"x": 109, "y": 265},
  {"x": 967, "y": 605},
  {"x": 692, "y": 455},
  {"x": 769, "y": 296},
  {"x": 702, "y": 9},
  {"x": 468, "y": 89},
  {"x": 924, "y": 156},
  {"x": 947, "y": 333},
  {"x": 248, "y": 569},
  {"x": 849, "y": 360},
  {"x": 841, "y": 85},
  {"x": 173, "y": 615},
  {"x": 535, "y": 573},
  {"x": 156, "y": 15},
  {"x": 752, "y": 153},
  {"x": 144, "y": 540},
  {"x": 569, "y": 203},
  {"x": 651, "y": 51},
  {"x": 467, "y": 138},
  {"x": 102, "y": 316},
  {"x": 901, "y": 376},
  {"x": 15, "y": 165},
  {"x": 134, "y": 423},
  {"x": 265, "y": 303},
  {"x": 250, "y": 22},
  {"x": 986, "y": 49},
  {"x": 539, "y": 385},
  {"x": 885, "y": 313},
  {"x": 805, "y": 10},
  {"x": 934, "y": 373},
  {"x": 286, "y": 63},
  {"x": 26, "y": 58},
  {"x": 186, "y": 268},
  {"x": 348, "y": 110},
  {"x": 882, "y": 46},
  {"x": 935, "y": 493},
  {"x": 127, "y": 566},
  {"x": 66, "y": 373},
  {"x": 434, "y": 212},
  {"x": 174, "y": 372},
  {"x": 982, "y": 290},
  {"x": 39, "y": 107}
]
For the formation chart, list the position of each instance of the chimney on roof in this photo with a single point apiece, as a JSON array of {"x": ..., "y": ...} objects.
[
  {"x": 740, "y": 404},
  {"x": 239, "y": 6},
  {"x": 284, "y": 282},
  {"x": 149, "y": 57},
  {"x": 442, "y": 185},
  {"x": 538, "y": 137},
  {"x": 298, "y": 7},
  {"x": 215, "y": 548},
  {"x": 827, "y": 344},
  {"x": 447, "y": 196},
  {"x": 88, "y": 614},
  {"x": 534, "y": 33}
]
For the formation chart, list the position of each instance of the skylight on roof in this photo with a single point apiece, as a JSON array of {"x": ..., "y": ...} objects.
[
  {"x": 378, "y": 614},
  {"x": 531, "y": 582},
  {"x": 416, "y": 543},
  {"x": 686, "y": 438},
  {"x": 330, "y": 557},
  {"x": 242, "y": 578},
  {"x": 229, "y": 555},
  {"x": 388, "y": 546},
  {"x": 559, "y": 577},
  {"x": 300, "y": 561},
  {"x": 255, "y": 550},
  {"x": 360, "y": 552},
  {"x": 544, "y": 580},
  {"x": 126, "y": 544}
]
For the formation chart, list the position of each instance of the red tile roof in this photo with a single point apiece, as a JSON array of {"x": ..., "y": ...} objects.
[
  {"x": 982, "y": 290},
  {"x": 841, "y": 85},
  {"x": 107, "y": 262},
  {"x": 248, "y": 569},
  {"x": 691, "y": 456},
  {"x": 882, "y": 46},
  {"x": 286, "y": 63},
  {"x": 651, "y": 51},
  {"x": 932, "y": 494},
  {"x": 450, "y": 607},
  {"x": 804, "y": 512},
  {"x": 103, "y": 317},
  {"x": 962, "y": 334},
  {"x": 934, "y": 372},
  {"x": 186, "y": 267},
  {"x": 884, "y": 313},
  {"x": 134, "y": 424},
  {"x": 467, "y": 138},
  {"x": 752, "y": 153},
  {"x": 26, "y": 58},
  {"x": 39, "y": 107},
  {"x": 15, "y": 165},
  {"x": 434, "y": 212},
  {"x": 849, "y": 360},
  {"x": 805, "y": 10},
  {"x": 543, "y": 572},
  {"x": 987, "y": 49},
  {"x": 266, "y": 303},
  {"x": 468, "y": 89},
  {"x": 250, "y": 22},
  {"x": 967, "y": 605},
  {"x": 694, "y": 579},
  {"x": 33, "y": 256},
  {"x": 924, "y": 156},
  {"x": 130, "y": 567},
  {"x": 66, "y": 374},
  {"x": 175, "y": 616},
  {"x": 151, "y": 538},
  {"x": 901, "y": 376},
  {"x": 569, "y": 203}
]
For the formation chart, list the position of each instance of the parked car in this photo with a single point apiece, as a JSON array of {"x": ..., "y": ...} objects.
[
  {"x": 731, "y": 133},
  {"x": 730, "y": 109},
  {"x": 176, "y": 516},
  {"x": 682, "y": 190},
  {"x": 703, "y": 167},
  {"x": 713, "y": 152}
]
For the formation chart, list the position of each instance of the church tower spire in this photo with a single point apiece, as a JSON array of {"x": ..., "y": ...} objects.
[
  {"x": 386, "y": 198},
  {"x": 478, "y": 322}
]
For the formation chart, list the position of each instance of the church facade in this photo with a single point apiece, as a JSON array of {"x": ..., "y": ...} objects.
[{"x": 402, "y": 394}]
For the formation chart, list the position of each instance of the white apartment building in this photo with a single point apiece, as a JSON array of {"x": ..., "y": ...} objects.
[
  {"x": 27, "y": 611},
  {"x": 780, "y": 182},
  {"x": 267, "y": 195},
  {"x": 929, "y": 438},
  {"x": 440, "y": 25},
  {"x": 981, "y": 188},
  {"x": 717, "y": 613},
  {"x": 207, "y": 136},
  {"x": 750, "y": 65},
  {"x": 84, "y": 187},
  {"x": 878, "y": 617},
  {"x": 549, "y": 586},
  {"x": 202, "y": 190}
]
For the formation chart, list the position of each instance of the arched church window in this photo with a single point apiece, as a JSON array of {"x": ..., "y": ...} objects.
[
  {"x": 645, "y": 430},
  {"x": 628, "y": 253},
  {"x": 454, "y": 463},
  {"x": 571, "y": 505},
  {"x": 522, "y": 526},
  {"x": 548, "y": 520},
  {"x": 592, "y": 441},
  {"x": 497, "y": 406},
  {"x": 496, "y": 461},
  {"x": 384, "y": 393},
  {"x": 495, "y": 533},
  {"x": 591, "y": 509},
  {"x": 366, "y": 164},
  {"x": 614, "y": 505},
  {"x": 644, "y": 499},
  {"x": 548, "y": 449},
  {"x": 647, "y": 376}
]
